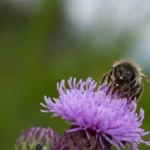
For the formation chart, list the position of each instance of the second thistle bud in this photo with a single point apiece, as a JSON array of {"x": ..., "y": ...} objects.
[{"x": 37, "y": 138}]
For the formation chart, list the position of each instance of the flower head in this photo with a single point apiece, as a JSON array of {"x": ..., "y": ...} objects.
[
  {"x": 89, "y": 109},
  {"x": 37, "y": 138}
]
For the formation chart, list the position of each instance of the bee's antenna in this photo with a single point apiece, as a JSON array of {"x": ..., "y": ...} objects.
[{"x": 145, "y": 77}]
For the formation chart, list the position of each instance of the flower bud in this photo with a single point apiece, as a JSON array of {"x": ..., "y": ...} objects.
[{"x": 37, "y": 138}]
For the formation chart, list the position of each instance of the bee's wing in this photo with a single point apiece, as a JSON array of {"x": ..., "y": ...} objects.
[{"x": 145, "y": 77}]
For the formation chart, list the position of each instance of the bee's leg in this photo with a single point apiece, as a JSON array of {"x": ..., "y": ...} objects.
[
  {"x": 132, "y": 83},
  {"x": 114, "y": 90},
  {"x": 129, "y": 92},
  {"x": 108, "y": 89},
  {"x": 104, "y": 77},
  {"x": 108, "y": 81},
  {"x": 132, "y": 91},
  {"x": 131, "y": 87},
  {"x": 126, "y": 91},
  {"x": 138, "y": 93},
  {"x": 126, "y": 94},
  {"x": 109, "y": 77}
]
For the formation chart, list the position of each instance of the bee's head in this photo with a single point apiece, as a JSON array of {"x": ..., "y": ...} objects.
[{"x": 124, "y": 73}]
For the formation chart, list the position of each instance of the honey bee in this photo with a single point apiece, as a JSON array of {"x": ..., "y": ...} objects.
[{"x": 125, "y": 76}]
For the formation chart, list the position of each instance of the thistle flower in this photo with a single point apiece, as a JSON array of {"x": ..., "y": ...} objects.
[
  {"x": 37, "y": 138},
  {"x": 110, "y": 120}
]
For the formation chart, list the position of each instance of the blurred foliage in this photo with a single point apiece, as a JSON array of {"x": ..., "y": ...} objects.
[{"x": 37, "y": 52}]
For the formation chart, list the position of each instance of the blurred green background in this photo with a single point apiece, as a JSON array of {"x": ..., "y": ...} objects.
[{"x": 39, "y": 48}]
